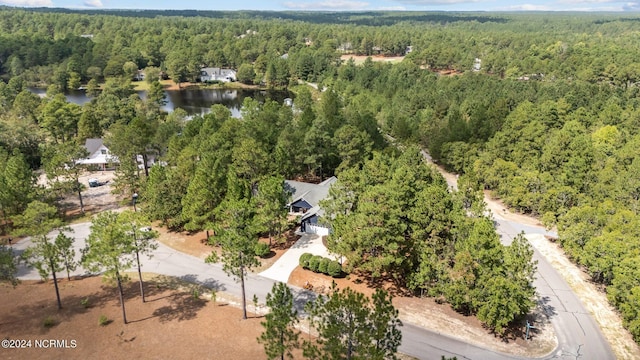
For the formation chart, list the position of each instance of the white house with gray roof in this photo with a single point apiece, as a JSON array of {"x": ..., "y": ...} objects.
[
  {"x": 217, "y": 74},
  {"x": 99, "y": 154},
  {"x": 305, "y": 202}
]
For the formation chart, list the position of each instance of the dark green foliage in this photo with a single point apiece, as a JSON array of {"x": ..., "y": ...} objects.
[
  {"x": 8, "y": 265},
  {"x": 398, "y": 221},
  {"x": 549, "y": 124},
  {"x": 304, "y": 260},
  {"x": 323, "y": 265},
  {"x": 17, "y": 184},
  {"x": 319, "y": 264},
  {"x": 108, "y": 250},
  {"x": 272, "y": 210},
  {"x": 314, "y": 263},
  {"x": 47, "y": 256},
  {"x": 351, "y": 325},
  {"x": 236, "y": 234},
  {"x": 334, "y": 269},
  {"x": 280, "y": 336},
  {"x": 262, "y": 249}
]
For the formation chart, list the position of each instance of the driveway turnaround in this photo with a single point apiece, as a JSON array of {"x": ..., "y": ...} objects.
[{"x": 282, "y": 268}]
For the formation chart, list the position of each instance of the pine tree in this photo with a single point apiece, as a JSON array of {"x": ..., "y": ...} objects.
[
  {"x": 143, "y": 238},
  {"x": 237, "y": 237},
  {"x": 108, "y": 248},
  {"x": 64, "y": 245},
  {"x": 8, "y": 265},
  {"x": 272, "y": 211},
  {"x": 279, "y": 336},
  {"x": 38, "y": 220},
  {"x": 350, "y": 326}
]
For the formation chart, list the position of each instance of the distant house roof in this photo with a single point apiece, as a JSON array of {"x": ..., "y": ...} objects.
[
  {"x": 97, "y": 153},
  {"x": 92, "y": 145},
  {"x": 217, "y": 74},
  {"x": 309, "y": 193}
]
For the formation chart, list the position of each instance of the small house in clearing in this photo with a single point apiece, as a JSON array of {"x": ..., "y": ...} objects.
[
  {"x": 99, "y": 154},
  {"x": 305, "y": 202},
  {"x": 217, "y": 74}
]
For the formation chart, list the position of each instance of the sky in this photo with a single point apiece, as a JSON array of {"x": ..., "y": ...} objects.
[{"x": 341, "y": 5}]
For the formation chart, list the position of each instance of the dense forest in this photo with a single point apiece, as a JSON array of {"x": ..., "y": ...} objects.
[{"x": 541, "y": 109}]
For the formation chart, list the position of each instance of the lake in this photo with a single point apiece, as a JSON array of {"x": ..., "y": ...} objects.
[{"x": 194, "y": 101}]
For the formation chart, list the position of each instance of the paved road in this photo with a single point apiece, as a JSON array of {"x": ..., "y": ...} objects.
[
  {"x": 577, "y": 332},
  {"x": 418, "y": 342},
  {"x": 579, "y": 336}
]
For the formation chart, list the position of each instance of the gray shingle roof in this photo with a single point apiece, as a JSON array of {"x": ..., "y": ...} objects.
[
  {"x": 311, "y": 193},
  {"x": 92, "y": 145}
]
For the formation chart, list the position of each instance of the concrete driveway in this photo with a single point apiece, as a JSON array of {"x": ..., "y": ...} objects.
[{"x": 282, "y": 268}]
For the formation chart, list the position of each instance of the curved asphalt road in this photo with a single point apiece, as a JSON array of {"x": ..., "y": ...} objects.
[{"x": 579, "y": 336}]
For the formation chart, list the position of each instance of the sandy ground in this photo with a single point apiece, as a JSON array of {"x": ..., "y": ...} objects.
[
  {"x": 359, "y": 59},
  {"x": 172, "y": 324},
  {"x": 440, "y": 318},
  {"x": 94, "y": 199}
]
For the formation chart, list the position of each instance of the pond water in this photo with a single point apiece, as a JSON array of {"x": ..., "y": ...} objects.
[{"x": 194, "y": 101}]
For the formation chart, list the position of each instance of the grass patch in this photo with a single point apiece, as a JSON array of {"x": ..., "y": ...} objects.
[
  {"x": 104, "y": 320},
  {"x": 49, "y": 321},
  {"x": 86, "y": 303}
]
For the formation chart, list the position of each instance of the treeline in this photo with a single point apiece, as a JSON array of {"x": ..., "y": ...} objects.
[
  {"x": 39, "y": 44},
  {"x": 563, "y": 150},
  {"x": 315, "y": 141},
  {"x": 395, "y": 219}
]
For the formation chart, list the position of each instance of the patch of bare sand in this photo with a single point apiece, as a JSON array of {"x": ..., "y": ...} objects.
[
  {"x": 498, "y": 207},
  {"x": 440, "y": 318},
  {"x": 172, "y": 324},
  {"x": 94, "y": 199},
  {"x": 359, "y": 59},
  {"x": 194, "y": 244}
]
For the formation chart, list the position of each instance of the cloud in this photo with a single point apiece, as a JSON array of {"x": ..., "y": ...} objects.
[
  {"x": 435, "y": 2},
  {"x": 93, "y": 3},
  {"x": 327, "y": 5},
  {"x": 632, "y": 6},
  {"x": 526, "y": 7},
  {"x": 30, "y": 3},
  {"x": 392, "y": 8}
]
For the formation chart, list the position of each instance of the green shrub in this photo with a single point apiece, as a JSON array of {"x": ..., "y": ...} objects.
[
  {"x": 85, "y": 303},
  {"x": 304, "y": 260},
  {"x": 334, "y": 269},
  {"x": 103, "y": 320},
  {"x": 195, "y": 293},
  {"x": 49, "y": 321},
  {"x": 262, "y": 249},
  {"x": 314, "y": 262},
  {"x": 322, "y": 266}
]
